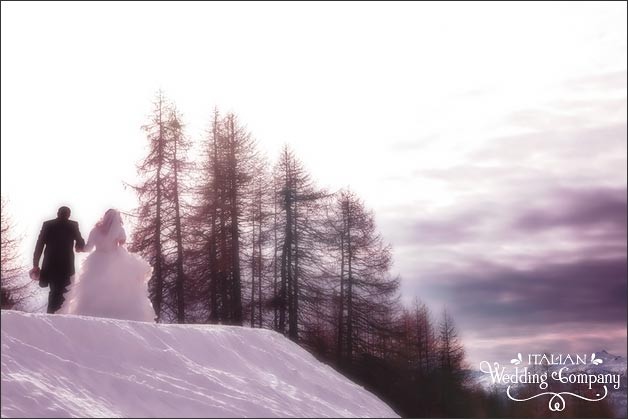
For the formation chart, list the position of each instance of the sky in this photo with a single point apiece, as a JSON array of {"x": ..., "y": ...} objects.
[{"x": 488, "y": 139}]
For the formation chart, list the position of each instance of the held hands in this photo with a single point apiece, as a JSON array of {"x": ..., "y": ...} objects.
[{"x": 35, "y": 273}]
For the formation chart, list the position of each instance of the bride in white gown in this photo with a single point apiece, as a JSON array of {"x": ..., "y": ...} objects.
[{"x": 111, "y": 282}]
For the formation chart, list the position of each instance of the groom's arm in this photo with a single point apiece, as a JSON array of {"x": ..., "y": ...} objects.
[
  {"x": 39, "y": 247},
  {"x": 80, "y": 243}
]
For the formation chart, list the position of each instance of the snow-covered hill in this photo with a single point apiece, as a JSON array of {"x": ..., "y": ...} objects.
[{"x": 59, "y": 366}]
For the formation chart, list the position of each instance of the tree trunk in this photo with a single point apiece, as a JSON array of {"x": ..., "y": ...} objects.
[
  {"x": 293, "y": 329},
  {"x": 275, "y": 295},
  {"x": 236, "y": 284},
  {"x": 159, "y": 283},
  {"x": 341, "y": 307},
  {"x": 349, "y": 288},
  {"x": 213, "y": 240},
  {"x": 179, "y": 238},
  {"x": 259, "y": 256},
  {"x": 253, "y": 266}
]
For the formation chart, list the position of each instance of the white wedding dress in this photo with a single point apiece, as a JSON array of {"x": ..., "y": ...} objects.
[{"x": 111, "y": 282}]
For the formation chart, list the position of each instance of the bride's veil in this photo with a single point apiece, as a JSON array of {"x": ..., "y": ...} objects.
[{"x": 111, "y": 227}]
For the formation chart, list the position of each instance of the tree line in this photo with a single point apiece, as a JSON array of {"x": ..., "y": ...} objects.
[{"x": 235, "y": 239}]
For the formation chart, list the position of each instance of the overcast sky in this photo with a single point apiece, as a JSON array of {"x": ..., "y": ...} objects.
[{"x": 489, "y": 139}]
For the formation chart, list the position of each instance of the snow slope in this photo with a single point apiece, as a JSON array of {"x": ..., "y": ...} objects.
[{"x": 59, "y": 366}]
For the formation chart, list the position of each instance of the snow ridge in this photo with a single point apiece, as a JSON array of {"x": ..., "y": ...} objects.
[{"x": 62, "y": 365}]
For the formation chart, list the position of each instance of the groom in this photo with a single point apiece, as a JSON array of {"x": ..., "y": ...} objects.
[{"x": 58, "y": 236}]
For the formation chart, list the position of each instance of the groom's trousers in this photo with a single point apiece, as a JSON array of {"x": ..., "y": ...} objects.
[{"x": 55, "y": 296}]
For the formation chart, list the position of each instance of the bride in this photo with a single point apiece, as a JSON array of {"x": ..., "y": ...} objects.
[{"x": 111, "y": 282}]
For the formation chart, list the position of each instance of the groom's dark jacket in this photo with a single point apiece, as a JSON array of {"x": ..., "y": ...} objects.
[{"x": 58, "y": 237}]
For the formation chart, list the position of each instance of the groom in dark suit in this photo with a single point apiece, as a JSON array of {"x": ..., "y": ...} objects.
[{"x": 58, "y": 237}]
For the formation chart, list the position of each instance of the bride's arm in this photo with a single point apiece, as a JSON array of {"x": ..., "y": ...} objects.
[
  {"x": 122, "y": 238},
  {"x": 89, "y": 246}
]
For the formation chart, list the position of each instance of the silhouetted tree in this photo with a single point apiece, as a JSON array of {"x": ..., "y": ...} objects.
[
  {"x": 419, "y": 339},
  {"x": 158, "y": 235},
  {"x": 228, "y": 170},
  {"x": 367, "y": 291},
  {"x": 450, "y": 350},
  {"x": 297, "y": 204},
  {"x": 178, "y": 164},
  {"x": 259, "y": 212},
  {"x": 14, "y": 289},
  {"x": 451, "y": 374}
]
